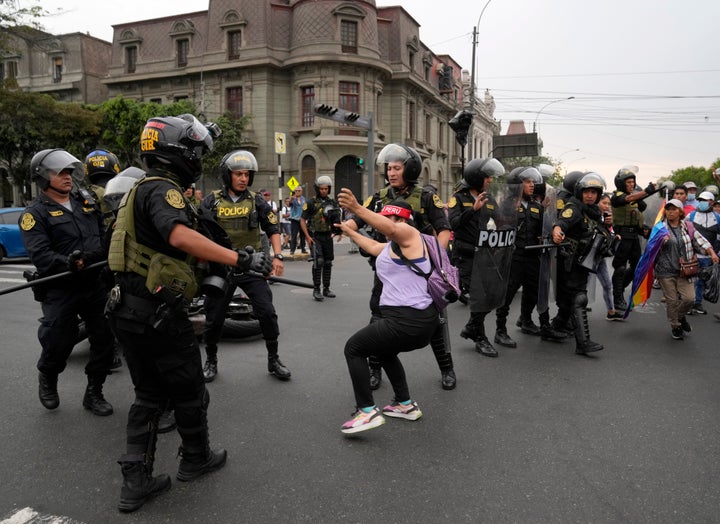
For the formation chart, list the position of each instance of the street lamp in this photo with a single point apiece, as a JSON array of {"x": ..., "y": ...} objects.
[
  {"x": 543, "y": 108},
  {"x": 472, "y": 72},
  {"x": 568, "y": 151}
]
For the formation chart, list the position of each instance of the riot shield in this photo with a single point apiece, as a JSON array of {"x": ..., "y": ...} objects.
[
  {"x": 494, "y": 248},
  {"x": 548, "y": 267}
]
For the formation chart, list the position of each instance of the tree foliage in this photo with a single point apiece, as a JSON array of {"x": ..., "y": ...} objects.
[{"x": 13, "y": 16}]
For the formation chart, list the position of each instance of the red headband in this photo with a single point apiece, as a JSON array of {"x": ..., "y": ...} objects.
[{"x": 396, "y": 210}]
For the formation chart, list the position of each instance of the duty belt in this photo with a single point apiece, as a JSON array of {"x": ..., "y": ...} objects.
[{"x": 626, "y": 230}]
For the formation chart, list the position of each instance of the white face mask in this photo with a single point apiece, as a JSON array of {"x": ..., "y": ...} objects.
[
  {"x": 703, "y": 206},
  {"x": 691, "y": 196}
]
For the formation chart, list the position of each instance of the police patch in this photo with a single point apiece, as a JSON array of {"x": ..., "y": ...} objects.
[
  {"x": 452, "y": 202},
  {"x": 367, "y": 201},
  {"x": 28, "y": 222},
  {"x": 438, "y": 203},
  {"x": 568, "y": 213},
  {"x": 56, "y": 213},
  {"x": 304, "y": 208},
  {"x": 560, "y": 204},
  {"x": 272, "y": 218},
  {"x": 175, "y": 199}
]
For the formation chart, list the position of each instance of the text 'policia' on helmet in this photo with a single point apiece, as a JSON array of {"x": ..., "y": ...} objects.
[
  {"x": 590, "y": 180},
  {"x": 53, "y": 160},
  {"x": 323, "y": 180},
  {"x": 623, "y": 174},
  {"x": 100, "y": 166},
  {"x": 477, "y": 170},
  {"x": 403, "y": 154},
  {"x": 121, "y": 184},
  {"x": 177, "y": 143},
  {"x": 238, "y": 160}
]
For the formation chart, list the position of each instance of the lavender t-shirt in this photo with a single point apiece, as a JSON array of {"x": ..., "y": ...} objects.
[{"x": 401, "y": 286}]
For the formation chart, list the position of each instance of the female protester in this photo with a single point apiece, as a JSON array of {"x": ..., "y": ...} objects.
[
  {"x": 678, "y": 291},
  {"x": 408, "y": 319},
  {"x": 601, "y": 269}
]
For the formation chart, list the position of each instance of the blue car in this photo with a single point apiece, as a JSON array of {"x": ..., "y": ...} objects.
[{"x": 11, "y": 244}]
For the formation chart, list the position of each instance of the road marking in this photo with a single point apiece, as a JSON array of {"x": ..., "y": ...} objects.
[
  {"x": 30, "y": 516},
  {"x": 12, "y": 280}
]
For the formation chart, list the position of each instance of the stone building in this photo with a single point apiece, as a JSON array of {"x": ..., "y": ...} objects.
[{"x": 274, "y": 60}]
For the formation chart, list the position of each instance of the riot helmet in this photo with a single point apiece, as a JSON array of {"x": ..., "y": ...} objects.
[
  {"x": 55, "y": 161},
  {"x": 477, "y": 170},
  {"x": 519, "y": 175},
  {"x": 323, "y": 180},
  {"x": 403, "y": 154},
  {"x": 100, "y": 166},
  {"x": 118, "y": 186},
  {"x": 590, "y": 180},
  {"x": 177, "y": 143},
  {"x": 570, "y": 180},
  {"x": 624, "y": 174},
  {"x": 238, "y": 160}
]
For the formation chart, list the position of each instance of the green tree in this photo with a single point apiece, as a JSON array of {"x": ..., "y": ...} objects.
[
  {"x": 702, "y": 176},
  {"x": 231, "y": 138},
  {"x": 12, "y": 16}
]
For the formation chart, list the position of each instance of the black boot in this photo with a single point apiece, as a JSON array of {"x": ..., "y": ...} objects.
[
  {"x": 48, "y": 390},
  {"x": 448, "y": 379},
  {"x": 317, "y": 295},
  {"x": 210, "y": 369},
  {"x": 441, "y": 350},
  {"x": 502, "y": 338},
  {"x": 197, "y": 462},
  {"x": 327, "y": 292},
  {"x": 94, "y": 399},
  {"x": 139, "y": 485},
  {"x": 326, "y": 274},
  {"x": 375, "y": 378},
  {"x": 583, "y": 344},
  {"x": 275, "y": 367}
]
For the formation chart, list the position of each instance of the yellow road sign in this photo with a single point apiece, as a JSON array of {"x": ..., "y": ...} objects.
[{"x": 292, "y": 183}]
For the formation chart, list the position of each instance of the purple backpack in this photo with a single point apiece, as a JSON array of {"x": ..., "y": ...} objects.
[{"x": 444, "y": 280}]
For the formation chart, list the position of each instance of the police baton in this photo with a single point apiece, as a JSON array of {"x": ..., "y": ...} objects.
[
  {"x": 282, "y": 280},
  {"x": 43, "y": 280},
  {"x": 546, "y": 246}
]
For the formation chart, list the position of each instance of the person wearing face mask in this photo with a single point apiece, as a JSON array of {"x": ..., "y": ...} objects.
[
  {"x": 707, "y": 223},
  {"x": 692, "y": 193}
]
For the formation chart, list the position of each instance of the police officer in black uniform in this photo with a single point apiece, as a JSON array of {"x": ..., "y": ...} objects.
[
  {"x": 525, "y": 267},
  {"x": 101, "y": 166},
  {"x": 578, "y": 225},
  {"x": 319, "y": 215},
  {"x": 153, "y": 251},
  {"x": 244, "y": 215},
  {"x": 402, "y": 166},
  {"x": 628, "y": 205},
  {"x": 62, "y": 230}
]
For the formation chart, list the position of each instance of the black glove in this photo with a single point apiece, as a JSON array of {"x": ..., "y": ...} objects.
[
  {"x": 651, "y": 189},
  {"x": 251, "y": 261},
  {"x": 73, "y": 259}
]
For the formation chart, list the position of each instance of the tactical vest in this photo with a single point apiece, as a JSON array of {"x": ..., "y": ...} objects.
[
  {"x": 628, "y": 215},
  {"x": 415, "y": 201},
  {"x": 318, "y": 222},
  {"x": 239, "y": 220},
  {"x": 128, "y": 255}
]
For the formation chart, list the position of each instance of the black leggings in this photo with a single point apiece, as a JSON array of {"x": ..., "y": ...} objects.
[{"x": 400, "y": 329}]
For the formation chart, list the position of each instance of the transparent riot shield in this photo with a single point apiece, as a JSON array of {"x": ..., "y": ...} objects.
[
  {"x": 548, "y": 267},
  {"x": 494, "y": 248}
]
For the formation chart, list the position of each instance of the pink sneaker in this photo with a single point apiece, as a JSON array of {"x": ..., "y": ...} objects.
[
  {"x": 362, "y": 421},
  {"x": 408, "y": 412}
]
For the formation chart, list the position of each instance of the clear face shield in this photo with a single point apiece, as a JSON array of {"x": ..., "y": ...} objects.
[{"x": 57, "y": 161}]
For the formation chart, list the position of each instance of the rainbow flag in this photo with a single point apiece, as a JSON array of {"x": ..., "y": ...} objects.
[{"x": 643, "y": 278}]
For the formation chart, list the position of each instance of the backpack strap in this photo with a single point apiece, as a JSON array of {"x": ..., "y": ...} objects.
[{"x": 413, "y": 267}]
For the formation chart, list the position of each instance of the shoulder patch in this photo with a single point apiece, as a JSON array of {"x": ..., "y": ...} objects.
[
  {"x": 560, "y": 204},
  {"x": 28, "y": 222},
  {"x": 438, "y": 203},
  {"x": 568, "y": 213},
  {"x": 175, "y": 199},
  {"x": 272, "y": 218},
  {"x": 367, "y": 201},
  {"x": 452, "y": 202},
  {"x": 304, "y": 208}
]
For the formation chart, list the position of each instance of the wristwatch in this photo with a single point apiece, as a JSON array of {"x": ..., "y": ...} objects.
[{"x": 280, "y": 257}]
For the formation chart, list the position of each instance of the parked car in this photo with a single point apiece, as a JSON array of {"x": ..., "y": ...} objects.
[{"x": 11, "y": 244}]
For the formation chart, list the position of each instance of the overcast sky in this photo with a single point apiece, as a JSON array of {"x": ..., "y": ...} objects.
[{"x": 644, "y": 74}]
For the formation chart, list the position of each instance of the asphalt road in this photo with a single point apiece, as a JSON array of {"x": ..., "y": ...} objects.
[{"x": 536, "y": 435}]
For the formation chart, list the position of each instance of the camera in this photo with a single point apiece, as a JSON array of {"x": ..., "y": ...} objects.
[{"x": 332, "y": 215}]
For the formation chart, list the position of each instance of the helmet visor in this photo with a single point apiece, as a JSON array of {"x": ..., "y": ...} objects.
[
  {"x": 198, "y": 132},
  {"x": 493, "y": 168},
  {"x": 393, "y": 153}
]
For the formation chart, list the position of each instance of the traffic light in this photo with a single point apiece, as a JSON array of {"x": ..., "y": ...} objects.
[
  {"x": 341, "y": 115},
  {"x": 360, "y": 164},
  {"x": 460, "y": 123}
]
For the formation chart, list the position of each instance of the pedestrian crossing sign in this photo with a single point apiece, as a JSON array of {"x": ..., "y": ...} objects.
[{"x": 292, "y": 183}]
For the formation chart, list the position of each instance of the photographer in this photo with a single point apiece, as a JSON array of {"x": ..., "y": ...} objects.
[{"x": 321, "y": 212}]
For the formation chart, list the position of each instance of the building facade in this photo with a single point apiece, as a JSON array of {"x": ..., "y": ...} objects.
[{"x": 274, "y": 60}]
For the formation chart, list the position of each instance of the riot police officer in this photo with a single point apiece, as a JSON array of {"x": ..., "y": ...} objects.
[
  {"x": 578, "y": 225},
  {"x": 101, "y": 166},
  {"x": 628, "y": 205},
  {"x": 243, "y": 215},
  {"x": 525, "y": 266},
  {"x": 153, "y": 251},
  {"x": 62, "y": 232},
  {"x": 319, "y": 215},
  {"x": 402, "y": 165}
]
